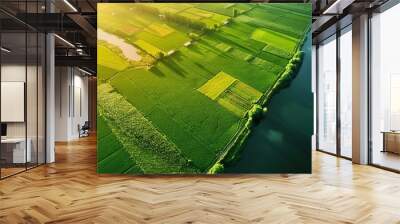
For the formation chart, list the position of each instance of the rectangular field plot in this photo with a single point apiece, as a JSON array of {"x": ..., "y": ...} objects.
[
  {"x": 109, "y": 58},
  {"x": 200, "y": 13},
  {"x": 147, "y": 47},
  {"x": 223, "y": 47},
  {"x": 275, "y": 39},
  {"x": 172, "y": 41},
  {"x": 231, "y": 93},
  {"x": 109, "y": 62},
  {"x": 161, "y": 30},
  {"x": 208, "y": 18},
  {"x": 218, "y": 84},
  {"x": 238, "y": 98},
  {"x": 225, "y": 9}
]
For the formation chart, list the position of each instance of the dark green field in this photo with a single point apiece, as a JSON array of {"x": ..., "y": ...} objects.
[{"x": 181, "y": 103}]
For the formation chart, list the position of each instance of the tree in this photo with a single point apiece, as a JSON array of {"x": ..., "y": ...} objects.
[
  {"x": 217, "y": 168},
  {"x": 235, "y": 12},
  {"x": 159, "y": 55}
]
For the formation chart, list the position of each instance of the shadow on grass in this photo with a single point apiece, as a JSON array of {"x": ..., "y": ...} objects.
[
  {"x": 171, "y": 64},
  {"x": 156, "y": 71},
  {"x": 224, "y": 39},
  {"x": 195, "y": 48}
]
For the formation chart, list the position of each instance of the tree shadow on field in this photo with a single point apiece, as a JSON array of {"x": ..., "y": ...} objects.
[
  {"x": 156, "y": 71},
  {"x": 211, "y": 48},
  {"x": 203, "y": 68},
  {"x": 218, "y": 52},
  {"x": 171, "y": 64},
  {"x": 178, "y": 56},
  {"x": 231, "y": 42},
  {"x": 195, "y": 48},
  {"x": 193, "y": 62}
]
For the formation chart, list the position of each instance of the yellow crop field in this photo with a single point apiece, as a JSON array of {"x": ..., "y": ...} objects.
[
  {"x": 238, "y": 98},
  {"x": 128, "y": 29},
  {"x": 161, "y": 30},
  {"x": 245, "y": 91},
  {"x": 230, "y": 93},
  {"x": 111, "y": 59},
  {"x": 217, "y": 85},
  {"x": 149, "y": 48},
  {"x": 231, "y": 106}
]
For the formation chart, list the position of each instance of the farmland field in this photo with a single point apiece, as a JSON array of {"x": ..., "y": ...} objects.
[{"x": 200, "y": 81}]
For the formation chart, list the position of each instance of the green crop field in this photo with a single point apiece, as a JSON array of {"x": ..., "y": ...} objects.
[{"x": 201, "y": 72}]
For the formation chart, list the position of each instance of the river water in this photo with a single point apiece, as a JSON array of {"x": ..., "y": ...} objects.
[{"x": 281, "y": 143}]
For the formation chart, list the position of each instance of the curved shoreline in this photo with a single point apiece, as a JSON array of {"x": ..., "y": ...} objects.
[{"x": 235, "y": 145}]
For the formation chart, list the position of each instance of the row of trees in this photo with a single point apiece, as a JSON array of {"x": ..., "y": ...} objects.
[
  {"x": 217, "y": 168},
  {"x": 186, "y": 21},
  {"x": 290, "y": 70},
  {"x": 173, "y": 17},
  {"x": 147, "y": 9},
  {"x": 255, "y": 114}
]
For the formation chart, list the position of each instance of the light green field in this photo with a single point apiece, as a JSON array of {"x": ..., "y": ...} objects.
[
  {"x": 231, "y": 93},
  {"x": 147, "y": 47},
  {"x": 111, "y": 59},
  {"x": 217, "y": 85},
  {"x": 181, "y": 113},
  {"x": 275, "y": 39},
  {"x": 109, "y": 63}
]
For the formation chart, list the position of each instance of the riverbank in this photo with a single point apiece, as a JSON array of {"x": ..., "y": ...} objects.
[
  {"x": 281, "y": 141},
  {"x": 259, "y": 110}
]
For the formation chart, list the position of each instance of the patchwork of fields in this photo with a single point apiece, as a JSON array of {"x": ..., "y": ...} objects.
[{"x": 202, "y": 68}]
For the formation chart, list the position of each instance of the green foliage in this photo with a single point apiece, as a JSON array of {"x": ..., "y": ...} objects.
[
  {"x": 290, "y": 71},
  {"x": 255, "y": 112},
  {"x": 183, "y": 20},
  {"x": 254, "y": 115},
  {"x": 217, "y": 168},
  {"x": 291, "y": 67},
  {"x": 235, "y": 12}
]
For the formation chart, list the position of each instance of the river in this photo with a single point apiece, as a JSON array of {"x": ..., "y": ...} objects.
[{"x": 281, "y": 143}]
